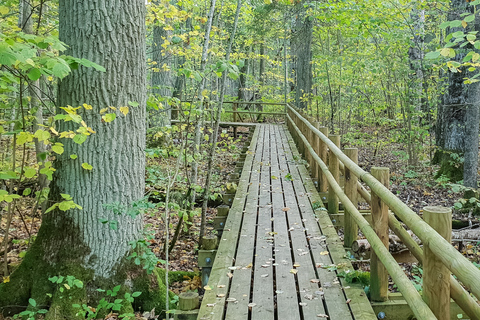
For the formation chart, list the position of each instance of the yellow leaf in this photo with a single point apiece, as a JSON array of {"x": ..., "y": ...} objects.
[
  {"x": 445, "y": 52},
  {"x": 4, "y": 10},
  {"x": 124, "y": 110},
  {"x": 296, "y": 265},
  {"x": 249, "y": 265},
  {"x": 324, "y": 253},
  {"x": 84, "y": 124},
  {"x": 5, "y": 279},
  {"x": 87, "y": 106},
  {"x": 113, "y": 108},
  {"x": 55, "y": 132},
  {"x": 66, "y": 286},
  {"x": 294, "y": 271},
  {"x": 207, "y": 288},
  {"x": 464, "y": 24},
  {"x": 103, "y": 110}
]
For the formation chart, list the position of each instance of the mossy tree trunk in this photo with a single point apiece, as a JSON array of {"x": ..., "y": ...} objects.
[
  {"x": 457, "y": 121},
  {"x": 76, "y": 242}
]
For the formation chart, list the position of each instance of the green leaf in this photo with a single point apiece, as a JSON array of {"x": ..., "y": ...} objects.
[
  {"x": 61, "y": 70},
  {"x": 114, "y": 225},
  {"x": 233, "y": 75},
  {"x": 29, "y": 173},
  {"x": 66, "y": 196},
  {"x": 73, "y": 156},
  {"x": 109, "y": 117},
  {"x": 79, "y": 138},
  {"x": 455, "y": 23},
  {"x": 133, "y": 104},
  {"x": 136, "y": 294},
  {"x": 469, "y": 18},
  {"x": 444, "y": 25},
  {"x": 32, "y": 302},
  {"x": 27, "y": 192},
  {"x": 86, "y": 166},
  {"x": 34, "y": 74},
  {"x": 432, "y": 55},
  {"x": 7, "y": 58},
  {"x": 58, "y": 148}
]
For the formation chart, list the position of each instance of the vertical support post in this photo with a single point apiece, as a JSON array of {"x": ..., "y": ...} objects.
[
  {"x": 350, "y": 226},
  {"x": 235, "y": 119},
  {"x": 378, "y": 273},
  {"x": 316, "y": 147},
  {"x": 334, "y": 168},
  {"x": 323, "y": 154},
  {"x": 436, "y": 277},
  {"x": 308, "y": 134}
]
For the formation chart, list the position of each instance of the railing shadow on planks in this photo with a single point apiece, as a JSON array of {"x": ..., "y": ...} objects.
[{"x": 439, "y": 257}]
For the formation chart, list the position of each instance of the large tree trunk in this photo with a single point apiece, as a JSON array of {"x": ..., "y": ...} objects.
[
  {"x": 76, "y": 242},
  {"x": 302, "y": 43},
  {"x": 457, "y": 120}
]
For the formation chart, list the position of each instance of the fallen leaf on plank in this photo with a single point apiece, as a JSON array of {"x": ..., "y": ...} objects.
[{"x": 294, "y": 271}]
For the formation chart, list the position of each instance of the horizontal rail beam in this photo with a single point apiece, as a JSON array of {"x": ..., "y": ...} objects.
[
  {"x": 413, "y": 298},
  {"x": 453, "y": 260},
  {"x": 248, "y": 102}
]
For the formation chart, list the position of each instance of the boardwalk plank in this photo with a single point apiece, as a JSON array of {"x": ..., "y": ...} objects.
[
  {"x": 262, "y": 279},
  {"x": 359, "y": 304},
  {"x": 302, "y": 250},
  {"x": 263, "y": 242},
  {"x": 286, "y": 290},
  {"x": 241, "y": 281},
  {"x": 213, "y": 307}
]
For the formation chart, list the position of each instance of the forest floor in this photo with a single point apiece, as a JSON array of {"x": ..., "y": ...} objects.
[{"x": 417, "y": 187}]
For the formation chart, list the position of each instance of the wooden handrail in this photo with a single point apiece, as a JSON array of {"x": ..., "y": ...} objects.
[
  {"x": 411, "y": 295},
  {"x": 248, "y": 102},
  {"x": 453, "y": 260}
]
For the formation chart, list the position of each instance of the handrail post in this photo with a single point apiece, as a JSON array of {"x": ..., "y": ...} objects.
[
  {"x": 334, "y": 168},
  {"x": 436, "y": 277},
  {"x": 235, "y": 115},
  {"x": 309, "y": 158},
  {"x": 323, "y": 154},
  {"x": 378, "y": 273},
  {"x": 316, "y": 170},
  {"x": 350, "y": 228},
  {"x": 311, "y": 140}
]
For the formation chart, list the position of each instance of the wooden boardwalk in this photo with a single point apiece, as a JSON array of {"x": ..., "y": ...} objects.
[{"x": 279, "y": 253}]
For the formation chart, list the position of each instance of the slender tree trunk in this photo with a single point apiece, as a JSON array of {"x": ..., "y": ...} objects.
[
  {"x": 163, "y": 79},
  {"x": 211, "y": 159}
]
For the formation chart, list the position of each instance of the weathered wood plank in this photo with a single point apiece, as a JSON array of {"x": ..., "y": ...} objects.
[
  {"x": 241, "y": 281},
  {"x": 333, "y": 294},
  {"x": 262, "y": 280},
  {"x": 213, "y": 307},
  {"x": 286, "y": 290},
  {"x": 359, "y": 303}
]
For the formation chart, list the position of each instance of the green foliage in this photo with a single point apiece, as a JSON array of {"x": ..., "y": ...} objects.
[
  {"x": 32, "y": 312},
  {"x": 356, "y": 276}
]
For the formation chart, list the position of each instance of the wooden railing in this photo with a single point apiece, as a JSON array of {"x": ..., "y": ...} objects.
[
  {"x": 238, "y": 113},
  {"x": 438, "y": 256}
]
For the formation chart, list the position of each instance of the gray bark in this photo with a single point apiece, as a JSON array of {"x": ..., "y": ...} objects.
[
  {"x": 457, "y": 120},
  {"x": 302, "y": 42},
  {"x": 112, "y": 35},
  {"x": 163, "y": 80}
]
